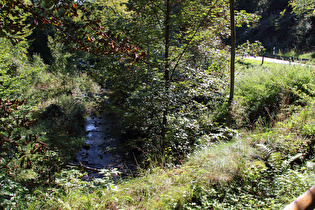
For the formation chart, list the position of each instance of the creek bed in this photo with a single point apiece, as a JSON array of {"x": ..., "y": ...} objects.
[{"x": 104, "y": 147}]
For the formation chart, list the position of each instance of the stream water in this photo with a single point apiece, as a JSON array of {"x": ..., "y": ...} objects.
[{"x": 104, "y": 147}]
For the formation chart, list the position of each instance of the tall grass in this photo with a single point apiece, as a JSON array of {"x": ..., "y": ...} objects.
[{"x": 262, "y": 92}]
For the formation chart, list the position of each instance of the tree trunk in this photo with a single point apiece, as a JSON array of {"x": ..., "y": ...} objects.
[
  {"x": 232, "y": 63},
  {"x": 166, "y": 74}
]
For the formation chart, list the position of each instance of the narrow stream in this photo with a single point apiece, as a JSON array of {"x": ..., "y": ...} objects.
[{"x": 103, "y": 147}]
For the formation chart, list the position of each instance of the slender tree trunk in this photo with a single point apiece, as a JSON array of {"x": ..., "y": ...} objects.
[
  {"x": 166, "y": 73},
  {"x": 232, "y": 63}
]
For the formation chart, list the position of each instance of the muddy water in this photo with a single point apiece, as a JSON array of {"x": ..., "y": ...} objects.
[{"x": 104, "y": 147}]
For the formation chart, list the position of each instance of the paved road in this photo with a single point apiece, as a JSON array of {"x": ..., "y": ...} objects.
[{"x": 273, "y": 60}]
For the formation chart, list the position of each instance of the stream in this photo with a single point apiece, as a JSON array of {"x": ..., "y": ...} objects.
[{"x": 104, "y": 147}]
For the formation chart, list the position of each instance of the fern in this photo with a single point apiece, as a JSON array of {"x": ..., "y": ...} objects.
[{"x": 264, "y": 150}]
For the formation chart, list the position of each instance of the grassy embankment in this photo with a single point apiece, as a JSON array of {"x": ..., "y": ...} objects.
[{"x": 266, "y": 166}]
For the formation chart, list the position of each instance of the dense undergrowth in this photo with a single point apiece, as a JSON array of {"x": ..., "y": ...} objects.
[{"x": 268, "y": 163}]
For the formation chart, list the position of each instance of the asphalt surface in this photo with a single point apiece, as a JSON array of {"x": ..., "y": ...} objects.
[{"x": 273, "y": 60}]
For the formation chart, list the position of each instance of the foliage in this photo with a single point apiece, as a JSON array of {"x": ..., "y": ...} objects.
[
  {"x": 305, "y": 14},
  {"x": 20, "y": 154},
  {"x": 25, "y": 163},
  {"x": 15, "y": 20},
  {"x": 63, "y": 122},
  {"x": 259, "y": 169},
  {"x": 189, "y": 114},
  {"x": 16, "y": 143},
  {"x": 38, "y": 44},
  {"x": 14, "y": 70},
  {"x": 303, "y": 7},
  {"x": 168, "y": 74},
  {"x": 263, "y": 92},
  {"x": 250, "y": 49},
  {"x": 186, "y": 58},
  {"x": 73, "y": 22},
  {"x": 12, "y": 193}
]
